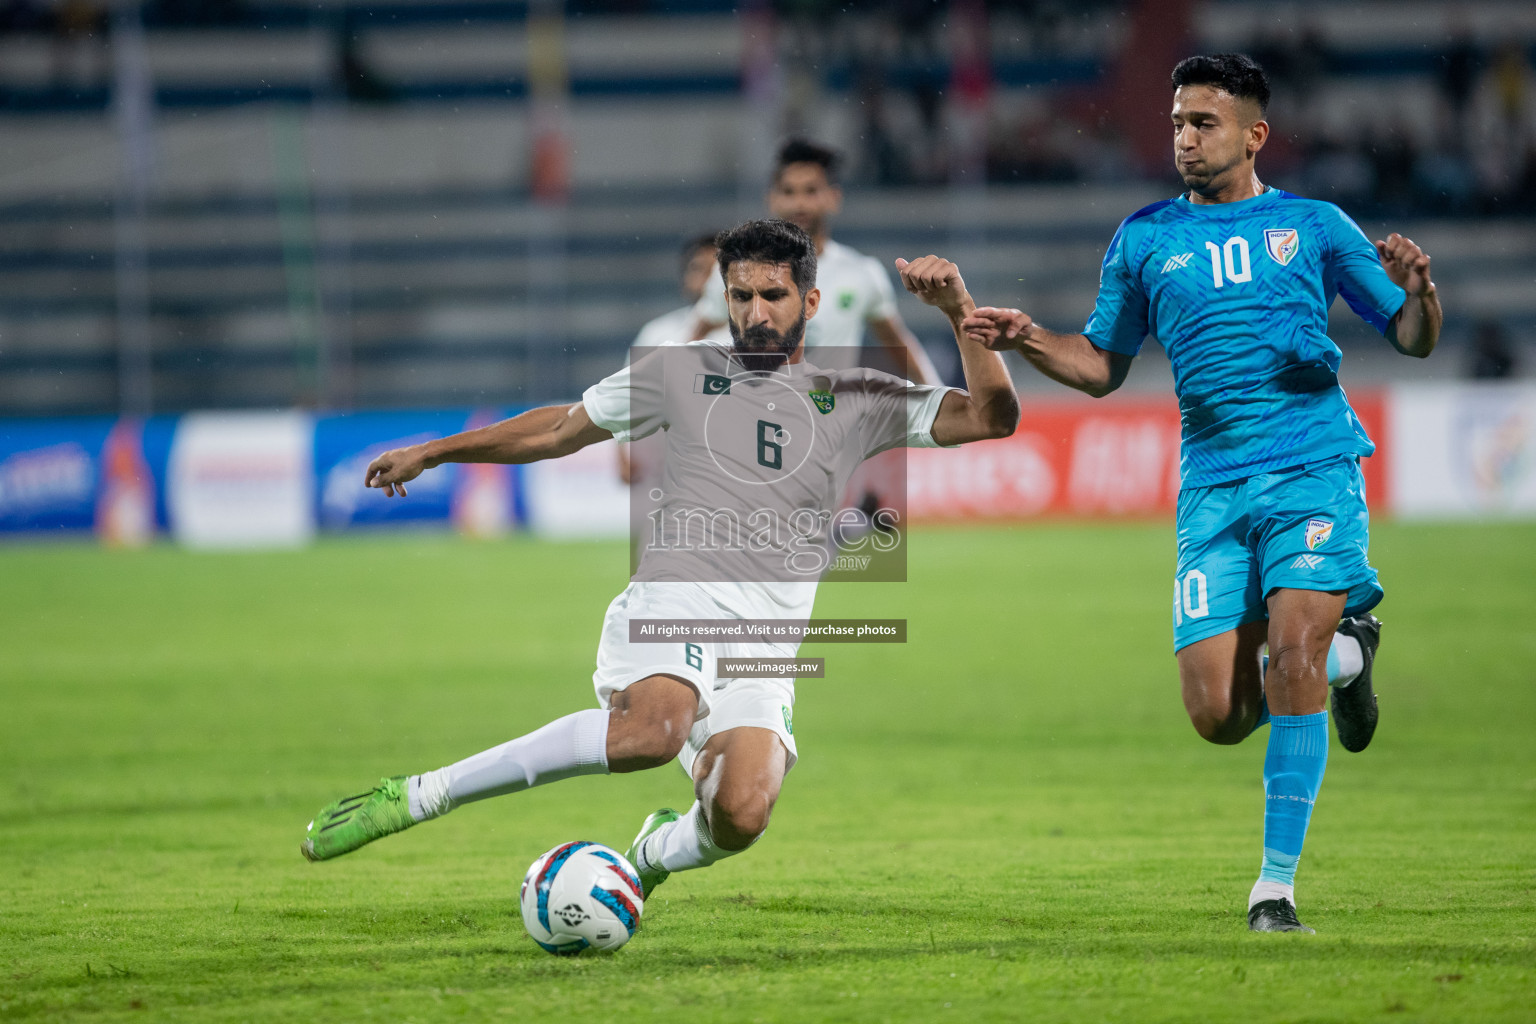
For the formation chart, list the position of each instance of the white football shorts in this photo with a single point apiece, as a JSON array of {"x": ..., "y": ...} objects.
[{"x": 767, "y": 703}]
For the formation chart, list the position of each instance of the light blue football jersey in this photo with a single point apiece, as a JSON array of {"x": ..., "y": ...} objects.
[{"x": 1238, "y": 295}]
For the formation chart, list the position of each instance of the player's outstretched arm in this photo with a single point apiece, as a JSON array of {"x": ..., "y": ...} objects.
[
  {"x": 989, "y": 407},
  {"x": 545, "y": 433},
  {"x": 1069, "y": 359},
  {"x": 1415, "y": 329}
]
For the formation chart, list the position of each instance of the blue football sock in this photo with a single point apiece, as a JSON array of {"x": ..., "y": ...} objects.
[{"x": 1293, "y": 774}]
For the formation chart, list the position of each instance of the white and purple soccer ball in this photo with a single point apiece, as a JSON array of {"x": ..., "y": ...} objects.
[{"x": 581, "y": 896}]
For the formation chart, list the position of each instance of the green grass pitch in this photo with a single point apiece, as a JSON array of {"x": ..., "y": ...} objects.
[{"x": 1007, "y": 818}]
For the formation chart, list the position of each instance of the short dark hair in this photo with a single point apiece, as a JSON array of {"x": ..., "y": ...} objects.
[
  {"x": 1235, "y": 73},
  {"x": 705, "y": 240},
  {"x": 802, "y": 151},
  {"x": 769, "y": 241}
]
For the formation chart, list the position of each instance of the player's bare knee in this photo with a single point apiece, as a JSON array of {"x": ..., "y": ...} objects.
[
  {"x": 650, "y": 747},
  {"x": 637, "y": 741},
  {"x": 649, "y": 724},
  {"x": 1225, "y": 729},
  {"x": 1210, "y": 711},
  {"x": 1296, "y": 659},
  {"x": 738, "y": 817},
  {"x": 1219, "y": 714}
]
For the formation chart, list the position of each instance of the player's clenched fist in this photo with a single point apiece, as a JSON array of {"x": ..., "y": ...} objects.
[
  {"x": 937, "y": 282},
  {"x": 997, "y": 329},
  {"x": 391, "y": 470},
  {"x": 1406, "y": 264}
]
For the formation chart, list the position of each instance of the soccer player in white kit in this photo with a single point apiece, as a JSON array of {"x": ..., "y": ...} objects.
[
  {"x": 855, "y": 289},
  {"x": 756, "y": 435},
  {"x": 698, "y": 269}
]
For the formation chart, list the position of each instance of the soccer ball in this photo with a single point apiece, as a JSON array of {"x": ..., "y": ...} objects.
[{"x": 581, "y": 895}]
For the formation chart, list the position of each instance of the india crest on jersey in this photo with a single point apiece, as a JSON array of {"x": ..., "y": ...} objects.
[
  {"x": 1283, "y": 244},
  {"x": 1318, "y": 532}
]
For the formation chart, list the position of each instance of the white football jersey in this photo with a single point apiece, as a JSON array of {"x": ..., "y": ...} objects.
[
  {"x": 755, "y": 465},
  {"x": 855, "y": 289}
]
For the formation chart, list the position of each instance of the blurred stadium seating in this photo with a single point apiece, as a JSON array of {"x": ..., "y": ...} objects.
[{"x": 339, "y": 208}]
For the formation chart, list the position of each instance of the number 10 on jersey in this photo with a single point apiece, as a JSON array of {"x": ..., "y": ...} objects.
[{"x": 1231, "y": 258}]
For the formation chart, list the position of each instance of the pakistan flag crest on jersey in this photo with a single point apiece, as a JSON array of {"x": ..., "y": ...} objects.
[{"x": 821, "y": 394}]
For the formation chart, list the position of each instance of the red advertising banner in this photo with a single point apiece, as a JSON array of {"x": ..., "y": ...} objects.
[
  {"x": 1080, "y": 457},
  {"x": 1371, "y": 407}
]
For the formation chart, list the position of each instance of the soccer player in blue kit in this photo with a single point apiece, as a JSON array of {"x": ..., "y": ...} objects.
[{"x": 1235, "y": 279}]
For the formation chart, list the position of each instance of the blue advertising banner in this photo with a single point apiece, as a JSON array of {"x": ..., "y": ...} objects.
[
  {"x": 110, "y": 475},
  {"x": 159, "y": 433},
  {"x": 345, "y": 444},
  {"x": 49, "y": 472}
]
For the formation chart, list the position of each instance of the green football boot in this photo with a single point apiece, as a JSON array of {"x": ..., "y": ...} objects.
[
  {"x": 358, "y": 820},
  {"x": 650, "y": 877}
]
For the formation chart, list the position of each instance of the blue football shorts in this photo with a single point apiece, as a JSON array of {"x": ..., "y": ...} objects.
[{"x": 1305, "y": 528}]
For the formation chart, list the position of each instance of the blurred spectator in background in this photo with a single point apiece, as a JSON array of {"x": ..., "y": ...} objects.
[
  {"x": 1472, "y": 152},
  {"x": 1491, "y": 357},
  {"x": 22, "y": 16},
  {"x": 1443, "y": 179},
  {"x": 81, "y": 57},
  {"x": 1338, "y": 170},
  {"x": 361, "y": 82},
  {"x": 1511, "y": 70},
  {"x": 1458, "y": 72},
  {"x": 189, "y": 13},
  {"x": 1502, "y": 133}
]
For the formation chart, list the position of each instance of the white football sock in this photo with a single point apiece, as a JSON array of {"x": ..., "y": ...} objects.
[
  {"x": 570, "y": 746},
  {"x": 684, "y": 844},
  {"x": 1267, "y": 890},
  {"x": 1351, "y": 660}
]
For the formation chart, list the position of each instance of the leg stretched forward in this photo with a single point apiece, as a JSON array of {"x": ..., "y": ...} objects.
[{"x": 645, "y": 727}]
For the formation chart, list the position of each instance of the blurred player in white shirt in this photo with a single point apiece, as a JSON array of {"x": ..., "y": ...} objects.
[
  {"x": 675, "y": 326},
  {"x": 856, "y": 290},
  {"x": 698, "y": 267}
]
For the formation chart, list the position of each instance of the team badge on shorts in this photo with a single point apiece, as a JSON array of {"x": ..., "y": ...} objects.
[
  {"x": 789, "y": 719},
  {"x": 1318, "y": 532},
  {"x": 1283, "y": 244}
]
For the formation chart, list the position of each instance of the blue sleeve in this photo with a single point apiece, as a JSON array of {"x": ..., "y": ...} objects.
[
  {"x": 1357, "y": 269},
  {"x": 1119, "y": 320}
]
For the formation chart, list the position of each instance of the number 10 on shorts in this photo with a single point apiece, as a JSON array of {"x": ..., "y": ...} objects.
[{"x": 1190, "y": 597}]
